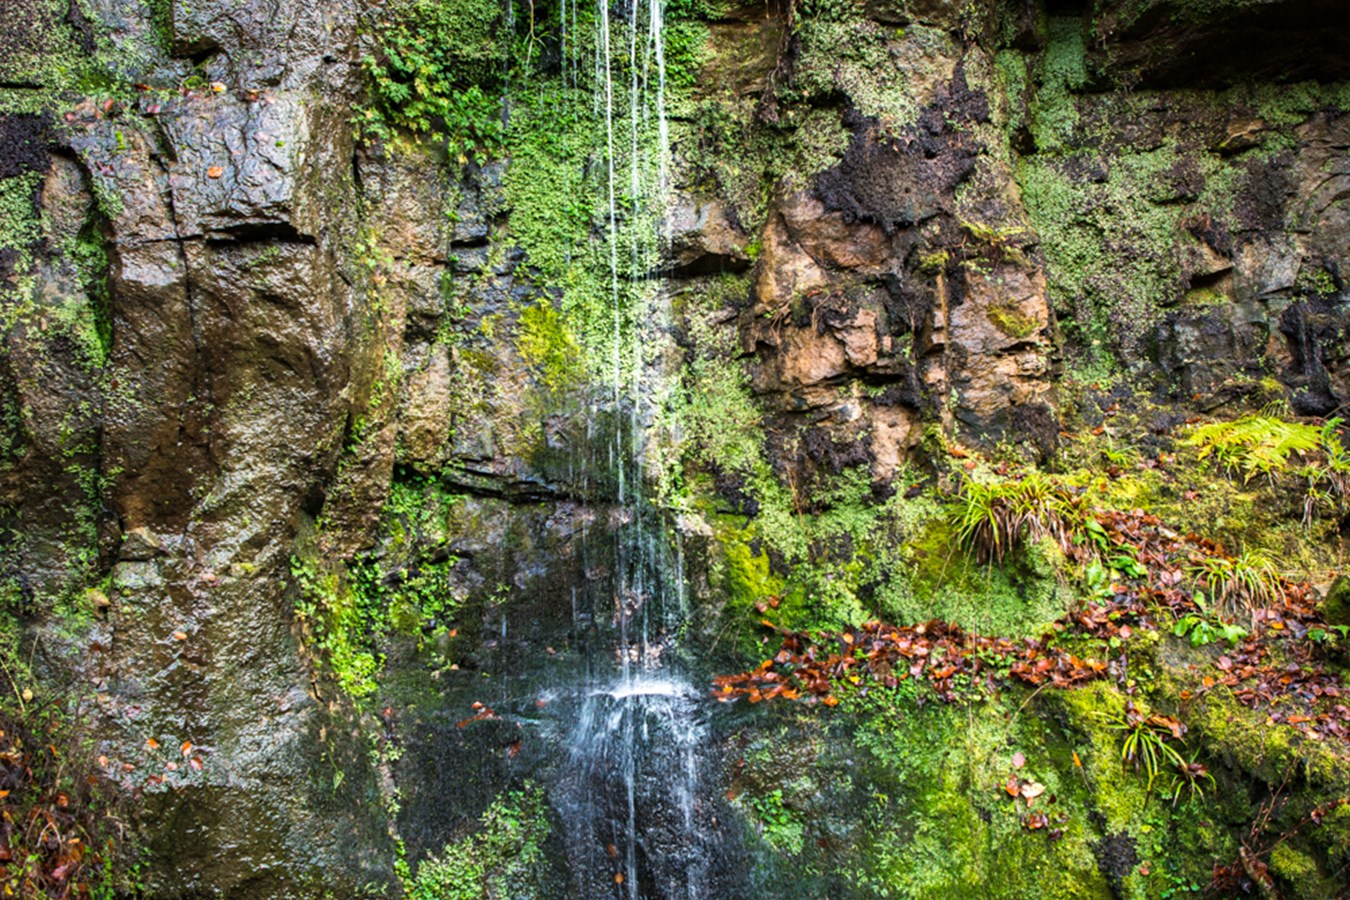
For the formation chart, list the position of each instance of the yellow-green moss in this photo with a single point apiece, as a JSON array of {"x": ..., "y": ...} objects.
[
  {"x": 1009, "y": 319},
  {"x": 547, "y": 346}
]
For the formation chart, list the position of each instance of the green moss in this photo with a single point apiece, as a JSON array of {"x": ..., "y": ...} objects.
[
  {"x": 51, "y": 59},
  {"x": 348, "y": 610},
  {"x": 1009, "y": 319},
  {"x": 1118, "y": 793},
  {"x": 1108, "y": 300},
  {"x": 1014, "y": 79},
  {"x": 1301, "y": 871},
  {"x": 558, "y": 203},
  {"x": 545, "y": 344},
  {"x": 1205, "y": 296},
  {"x": 946, "y": 826},
  {"x": 1062, "y": 71},
  {"x": 867, "y": 62},
  {"x": 1242, "y": 737}
]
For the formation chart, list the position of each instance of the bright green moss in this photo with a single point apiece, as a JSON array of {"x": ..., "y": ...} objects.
[
  {"x": 1063, "y": 70},
  {"x": 1107, "y": 299},
  {"x": 945, "y": 826},
  {"x": 348, "y": 610},
  {"x": 559, "y": 201},
  {"x": 547, "y": 346},
  {"x": 1009, "y": 319},
  {"x": 1300, "y": 870}
]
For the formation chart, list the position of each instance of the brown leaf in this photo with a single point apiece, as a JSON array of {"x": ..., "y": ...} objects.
[{"x": 215, "y": 172}]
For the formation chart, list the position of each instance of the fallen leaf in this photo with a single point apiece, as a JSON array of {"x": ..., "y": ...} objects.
[
  {"x": 215, "y": 172},
  {"x": 186, "y": 748},
  {"x": 1032, "y": 790},
  {"x": 1019, "y": 760},
  {"x": 180, "y": 635}
]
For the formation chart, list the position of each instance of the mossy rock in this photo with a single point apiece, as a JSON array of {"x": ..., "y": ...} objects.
[{"x": 1335, "y": 607}]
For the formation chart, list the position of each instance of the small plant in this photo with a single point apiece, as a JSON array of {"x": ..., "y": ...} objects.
[
  {"x": 1255, "y": 444},
  {"x": 1328, "y": 479},
  {"x": 1147, "y": 745},
  {"x": 1189, "y": 778},
  {"x": 1203, "y": 630},
  {"x": 998, "y": 241},
  {"x": 1239, "y": 585},
  {"x": 1203, "y": 627},
  {"x": 994, "y": 517}
]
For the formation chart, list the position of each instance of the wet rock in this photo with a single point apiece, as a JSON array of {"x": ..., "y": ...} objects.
[
  {"x": 745, "y": 46},
  {"x": 702, "y": 239},
  {"x": 252, "y": 170},
  {"x": 425, "y": 423},
  {"x": 1174, "y": 43},
  {"x": 1335, "y": 606}
]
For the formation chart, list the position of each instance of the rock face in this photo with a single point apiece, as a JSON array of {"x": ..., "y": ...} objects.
[
  {"x": 241, "y": 350},
  {"x": 220, "y": 394}
]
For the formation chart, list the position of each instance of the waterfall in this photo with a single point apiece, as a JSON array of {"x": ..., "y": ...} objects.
[{"x": 629, "y": 794}]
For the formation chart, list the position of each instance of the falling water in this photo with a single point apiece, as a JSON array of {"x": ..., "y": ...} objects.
[{"x": 630, "y": 793}]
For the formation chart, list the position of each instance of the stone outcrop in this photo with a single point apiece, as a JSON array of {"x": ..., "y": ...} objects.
[{"x": 231, "y": 331}]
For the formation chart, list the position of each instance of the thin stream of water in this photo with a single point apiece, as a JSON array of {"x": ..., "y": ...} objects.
[{"x": 630, "y": 794}]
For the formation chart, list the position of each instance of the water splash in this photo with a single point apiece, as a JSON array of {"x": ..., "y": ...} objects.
[{"x": 630, "y": 795}]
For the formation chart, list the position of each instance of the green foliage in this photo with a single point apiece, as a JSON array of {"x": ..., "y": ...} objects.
[
  {"x": 346, "y": 611},
  {"x": 993, "y": 517},
  {"x": 426, "y": 72},
  {"x": 1239, "y": 585},
  {"x": 1202, "y": 630},
  {"x": 780, "y": 827},
  {"x": 503, "y": 858},
  {"x": 19, "y": 224},
  {"x": 1255, "y": 444},
  {"x": 1150, "y": 745},
  {"x": 334, "y": 623},
  {"x": 1327, "y": 481}
]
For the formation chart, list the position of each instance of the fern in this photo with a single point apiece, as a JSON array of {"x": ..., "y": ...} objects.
[
  {"x": 1328, "y": 479},
  {"x": 1255, "y": 444}
]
